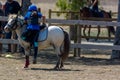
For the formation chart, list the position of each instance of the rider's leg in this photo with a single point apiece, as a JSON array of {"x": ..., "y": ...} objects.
[{"x": 35, "y": 44}]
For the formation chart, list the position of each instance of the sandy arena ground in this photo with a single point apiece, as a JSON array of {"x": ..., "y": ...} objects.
[{"x": 89, "y": 67}]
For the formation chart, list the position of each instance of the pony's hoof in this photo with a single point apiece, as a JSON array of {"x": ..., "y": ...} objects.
[
  {"x": 57, "y": 68},
  {"x": 96, "y": 39},
  {"x": 34, "y": 62},
  {"x": 87, "y": 39},
  {"x": 25, "y": 67}
]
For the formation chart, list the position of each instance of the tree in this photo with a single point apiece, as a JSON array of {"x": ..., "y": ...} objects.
[
  {"x": 73, "y": 5},
  {"x": 116, "y": 53}
]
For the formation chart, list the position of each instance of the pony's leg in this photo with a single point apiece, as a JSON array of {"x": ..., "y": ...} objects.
[
  {"x": 35, "y": 55},
  {"x": 35, "y": 52},
  {"x": 27, "y": 63},
  {"x": 61, "y": 65},
  {"x": 57, "y": 64},
  {"x": 109, "y": 34},
  {"x": 57, "y": 50},
  {"x": 84, "y": 29},
  {"x": 89, "y": 31},
  {"x": 98, "y": 33},
  {"x": 111, "y": 31}
]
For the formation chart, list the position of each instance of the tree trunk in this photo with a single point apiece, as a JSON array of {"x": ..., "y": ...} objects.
[
  {"x": 116, "y": 53},
  {"x": 25, "y": 5}
]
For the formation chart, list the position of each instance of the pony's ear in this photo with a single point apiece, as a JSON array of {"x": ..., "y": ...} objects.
[{"x": 17, "y": 16}]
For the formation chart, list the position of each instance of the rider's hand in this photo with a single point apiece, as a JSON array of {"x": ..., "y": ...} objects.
[
  {"x": 25, "y": 22},
  {"x": 91, "y": 7}
]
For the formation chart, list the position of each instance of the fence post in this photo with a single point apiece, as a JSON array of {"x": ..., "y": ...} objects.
[
  {"x": 75, "y": 40},
  {"x": 49, "y": 16},
  {"x": 79, "y": 39}
]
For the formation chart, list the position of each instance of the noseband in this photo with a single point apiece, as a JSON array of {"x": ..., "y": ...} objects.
[{"x": 14, "y": 25}]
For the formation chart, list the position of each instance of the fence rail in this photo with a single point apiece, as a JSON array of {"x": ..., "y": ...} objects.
[
  {"x": 101, "y": 46},
  {"x": 78, "y": 44},
  {"x": 75, "y": 22}
]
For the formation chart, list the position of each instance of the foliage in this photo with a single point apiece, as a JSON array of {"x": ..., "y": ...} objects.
[
  {"x": 62, "y": 4},
  {"x": 73, "y": 5}
]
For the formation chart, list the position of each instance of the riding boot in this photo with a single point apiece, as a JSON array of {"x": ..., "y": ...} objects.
[
  {"x": 35, "y": 52},
  {"x": 35, "y": 55}
]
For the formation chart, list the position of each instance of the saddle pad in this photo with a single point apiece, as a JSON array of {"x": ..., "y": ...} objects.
[{"x": 43, "y": 35}]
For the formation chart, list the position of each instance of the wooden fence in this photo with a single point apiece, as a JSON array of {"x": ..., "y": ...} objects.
[
  {"x": 78, "y": 45},
  {"x": 71, "y": 15}
]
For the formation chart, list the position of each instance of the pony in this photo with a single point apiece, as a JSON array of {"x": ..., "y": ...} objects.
[
  {"x": 57, "y": 38},
  {"x": 86, "y": 12}
]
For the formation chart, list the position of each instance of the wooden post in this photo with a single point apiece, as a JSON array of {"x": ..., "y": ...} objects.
[
  {"x": 49, "y": 16},
  {"x": 75, "y": 40},
  {"x": 76, "y": 35},
  {"x": 72, "y": 28},
  {"x": 116, "y": 53},
  {"x": 79, "y": 39}
]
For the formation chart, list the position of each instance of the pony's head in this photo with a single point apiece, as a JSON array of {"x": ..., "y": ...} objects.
[
  {"x": 85, "y": 12},
  {"x": 13, "y": 23}
]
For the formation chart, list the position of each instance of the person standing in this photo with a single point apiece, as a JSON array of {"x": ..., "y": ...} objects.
[
  {"x": 11, "y": 7},
  {"x": 1, "y": 26},
  {"x": 1, "y": 22}
]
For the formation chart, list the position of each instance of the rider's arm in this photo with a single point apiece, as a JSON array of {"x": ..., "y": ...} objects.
[
  {"x": 26, "y": 17},
  {"x": 42, "y": 17},
  {"x": 95, "y": 2}
]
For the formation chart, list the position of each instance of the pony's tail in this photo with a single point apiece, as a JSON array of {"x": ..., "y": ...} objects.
[
  {"x": 66, "y": 46},
  {"x": 111, "y": 28}
]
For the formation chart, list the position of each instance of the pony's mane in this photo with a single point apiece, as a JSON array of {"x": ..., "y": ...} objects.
[{"x": 14, "y": 16}]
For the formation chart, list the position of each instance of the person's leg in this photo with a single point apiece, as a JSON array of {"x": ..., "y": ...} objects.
[
  {"x": 8, "y": 36},
  {"x": 35, "y": 44},
  {"x": 0, "y": 48},
  {"x": 14, "y": 46},
  {"x": 0, "y": 44}
]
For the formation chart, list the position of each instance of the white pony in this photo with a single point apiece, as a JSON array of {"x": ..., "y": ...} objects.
[{"x": 57, "y": 37}]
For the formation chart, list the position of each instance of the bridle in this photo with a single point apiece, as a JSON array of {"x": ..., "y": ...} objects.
[{"x": 13, "y": 25}]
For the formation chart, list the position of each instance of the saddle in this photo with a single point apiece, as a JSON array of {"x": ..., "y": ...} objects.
[
  {"x": 42, "y": 35},
  {"x": 97, "y": 14}
]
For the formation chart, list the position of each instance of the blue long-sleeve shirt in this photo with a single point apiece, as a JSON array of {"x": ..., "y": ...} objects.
[{"x": 31, "y": 26}]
